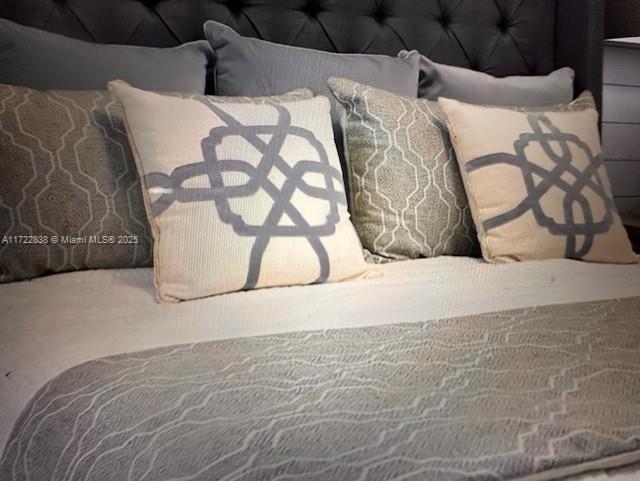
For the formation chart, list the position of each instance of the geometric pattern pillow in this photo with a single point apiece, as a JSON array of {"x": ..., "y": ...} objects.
[
  {"x": 536, "y": 183},
  {"x": 70, "y": 198},
  {"x": 408, "y": 200},
  {"x": 240, "y": 196}
]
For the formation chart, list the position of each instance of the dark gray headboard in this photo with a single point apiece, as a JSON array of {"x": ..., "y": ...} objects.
[{"x": 500, "y": 37}]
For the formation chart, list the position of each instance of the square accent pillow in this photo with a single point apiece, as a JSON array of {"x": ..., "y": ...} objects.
[
  {"x": 240, "y": 196},
  {"x": 42, "y": 60},
  {"x": 250, "y": 66},
  {"x": 536, "y": 183},
  {"x": 408, "y": 200},
  {"x": 69, "y": 173}
]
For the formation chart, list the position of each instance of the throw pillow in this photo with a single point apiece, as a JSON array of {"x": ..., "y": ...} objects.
[
  {"x": 240, "y": 196},
  {"x": 536, "y": 183},
  {"x": 407, "y": 196}
]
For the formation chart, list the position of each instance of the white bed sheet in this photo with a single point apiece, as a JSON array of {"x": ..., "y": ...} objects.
[{"x": 51, "y": 324}]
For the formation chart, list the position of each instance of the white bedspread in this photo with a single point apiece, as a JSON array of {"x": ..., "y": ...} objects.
[{"x": 51, "y": 324}]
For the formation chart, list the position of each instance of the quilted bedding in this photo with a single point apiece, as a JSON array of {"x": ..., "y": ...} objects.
[{"x": 534, "y": 393}]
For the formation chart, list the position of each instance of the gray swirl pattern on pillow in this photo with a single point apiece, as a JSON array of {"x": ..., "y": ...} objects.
[
  {"x": 68, "y": 170},
  {"x": 408, "y": 198}
]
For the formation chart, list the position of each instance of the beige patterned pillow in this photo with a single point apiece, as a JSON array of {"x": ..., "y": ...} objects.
[
  {"x": 536, "y": 183},
  {"x": 240, "y": 196}
]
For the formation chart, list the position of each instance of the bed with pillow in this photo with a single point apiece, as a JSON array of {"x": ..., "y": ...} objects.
[{"x": 311, "y": 240}]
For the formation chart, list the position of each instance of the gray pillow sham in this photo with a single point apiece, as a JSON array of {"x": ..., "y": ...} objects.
[
  {"x": 43, "y": 60},
  {"x": 439, "y": 80},
  {"x": 68, "y": 172},
  {"x": 249, "y": 66}
]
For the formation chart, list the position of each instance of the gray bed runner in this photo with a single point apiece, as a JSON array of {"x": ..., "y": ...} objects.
[{"x": 528, "y": 394}]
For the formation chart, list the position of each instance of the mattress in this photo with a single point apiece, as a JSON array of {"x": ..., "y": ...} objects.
[{"x": 52, "y": 324}]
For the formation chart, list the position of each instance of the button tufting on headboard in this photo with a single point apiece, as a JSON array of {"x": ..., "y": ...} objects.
[
  {"x": 381, "y": 13},
  {"x": 500, "y": 37},
  {"x": 444, "y": 20},
  {"x": 504, "y": 24},
  {"x": 313, "y": 8},
  {"x": 235, "y": 6}
]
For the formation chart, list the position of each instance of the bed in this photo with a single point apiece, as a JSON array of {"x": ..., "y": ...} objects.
[
  {"x": 114, "y": 312},
  {"x": 444, "y": 368}
]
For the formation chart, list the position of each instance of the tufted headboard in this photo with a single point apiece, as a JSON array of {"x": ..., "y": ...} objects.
[{"x": 500, "y": 37}]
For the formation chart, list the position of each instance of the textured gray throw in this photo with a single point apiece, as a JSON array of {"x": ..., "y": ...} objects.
[{"x": 510, "y": 395}]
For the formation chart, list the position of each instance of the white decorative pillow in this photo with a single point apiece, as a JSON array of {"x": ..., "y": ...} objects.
[
  {"x": 536, "y": 184},
  {"x": 240, "y": 195}
]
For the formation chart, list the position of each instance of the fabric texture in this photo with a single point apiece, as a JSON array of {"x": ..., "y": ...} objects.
[
  {"x": 240, "y": 196},
  {"x": 440, "y": 80},
  {"x": 536, "y": 184},
  {"x": 249, "y": 66},
  {"x": 114, "y": 311},
  {"x": 43, "y": 60},
  {"x": 523, "y": 394},
  {"x": 408, "y": 198},
  {"x": 69, "y": 172}
]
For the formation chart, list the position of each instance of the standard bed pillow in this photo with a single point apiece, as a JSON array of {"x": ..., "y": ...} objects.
[
  {"x": 536, "y": 184},
  {"x": 240, "y": 196},
  {"x": 407, "y": 196},
  {"x": 42, "y": 60},
  {"x": 439, "y": 80},
  {"x": 248, "y": 66},
  {"x": 68, "y": 172}
]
